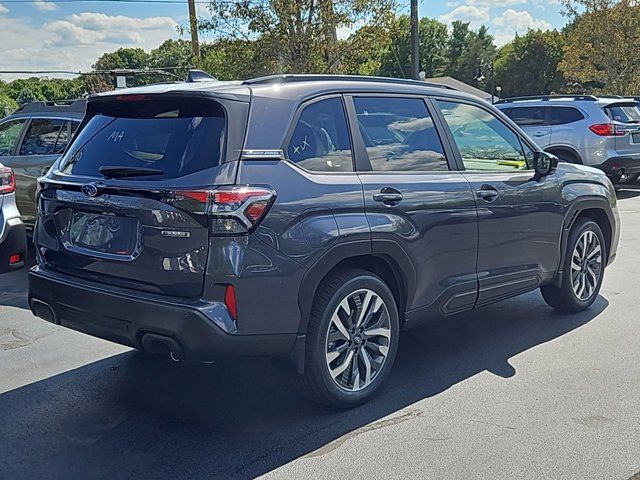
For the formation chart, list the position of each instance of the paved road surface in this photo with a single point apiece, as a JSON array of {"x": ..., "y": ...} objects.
[{"x": 511, "y": 391}]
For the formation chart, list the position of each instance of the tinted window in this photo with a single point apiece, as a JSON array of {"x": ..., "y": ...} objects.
[
  {"x": 9, "y": 133},
  {"x": 320, "y": 141},
  {"x": 627, "y": 113},
  {"x": 562, "y": 115},
  {"x": 485, "y": 143},
  {"x": 527, "y": 116},
  {"x": 176, "y": 138},
  {"x": 399, "y": 134},
  {"x": 42, "y": 136}
]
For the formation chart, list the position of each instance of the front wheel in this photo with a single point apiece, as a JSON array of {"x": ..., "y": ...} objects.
[
  {"x": 352, "y": 339},
  {"x": 583, "y": 269}
]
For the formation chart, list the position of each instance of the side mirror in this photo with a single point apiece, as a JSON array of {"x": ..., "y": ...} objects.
[{"x": 544, "y": 163}]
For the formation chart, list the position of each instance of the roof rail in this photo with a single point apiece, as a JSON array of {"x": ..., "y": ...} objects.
[
  {"x": 292, "y": 78},
  {"x": 77, "y": 105},
  {"x": 588, "y": 98}
]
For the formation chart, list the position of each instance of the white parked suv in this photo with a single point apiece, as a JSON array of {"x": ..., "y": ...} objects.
[
  {"x": 602, "y": 132},
  {"x": 13, "y": 239}
]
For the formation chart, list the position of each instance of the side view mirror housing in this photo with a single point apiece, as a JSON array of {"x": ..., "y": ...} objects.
[{"x": 544, "y": 163}]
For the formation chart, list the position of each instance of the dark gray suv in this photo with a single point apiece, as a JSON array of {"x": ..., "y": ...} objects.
[{"x": 307, "y": 217}]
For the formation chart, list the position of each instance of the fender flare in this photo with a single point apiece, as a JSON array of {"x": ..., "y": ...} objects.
[
  {"x": 567, "y": 148},
  {"x": 387, "y": 250},
  {"x": 573, "y": 212}
]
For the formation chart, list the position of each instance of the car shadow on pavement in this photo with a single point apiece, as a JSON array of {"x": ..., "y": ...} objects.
[{"x": 135, "y": 416}]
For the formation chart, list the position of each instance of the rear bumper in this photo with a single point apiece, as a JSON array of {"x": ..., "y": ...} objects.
[
  {"x": 125, "y": 317},
  {"x": 627, "y": 163},
  {"x": 13, "y": 240}
]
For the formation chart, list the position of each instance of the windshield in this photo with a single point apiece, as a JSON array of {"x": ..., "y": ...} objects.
[
  {"x": 627, "y": 113},
  {"x": 174, "y": 142}
]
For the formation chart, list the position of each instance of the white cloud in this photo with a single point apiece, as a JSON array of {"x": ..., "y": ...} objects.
[
  {"x": 90, "y": 28},
  {"x": 3, "y": 9},
  {"x": 77, "y": 41},
  {"x": 475, "y": 15},
  {"x": 45, "y": 6},
  {"x": 516, "y": 21}
]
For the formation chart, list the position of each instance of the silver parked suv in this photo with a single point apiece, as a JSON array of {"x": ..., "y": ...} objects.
[{"x": 602, "y": 132}]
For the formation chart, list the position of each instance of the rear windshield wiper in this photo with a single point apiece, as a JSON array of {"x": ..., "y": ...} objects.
[{"x": 124, "y": 172}]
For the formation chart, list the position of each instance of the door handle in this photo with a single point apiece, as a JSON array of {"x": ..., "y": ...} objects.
[
  {"x": 539, "y": 134},
  {"x": 388, "y": 196},
  {"x": 487, "y": 193}
]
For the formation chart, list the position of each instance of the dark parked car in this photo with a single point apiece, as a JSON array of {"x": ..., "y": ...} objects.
[
  {"x": 307, "y": 217},
  {"x": 13, "y": 239},
  {"x": 31, "y": 140}
]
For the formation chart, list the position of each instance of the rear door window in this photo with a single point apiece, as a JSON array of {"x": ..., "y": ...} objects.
[
  {"x": 399, "y": 134},
  {"x": 528, "y": 116},
  {"x": 42, "y": 136},
  {"x": 564, "y": 115},
  {"x": 177, "y": 138}
]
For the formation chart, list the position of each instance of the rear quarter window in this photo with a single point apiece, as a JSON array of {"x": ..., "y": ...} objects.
[
  {"x": 176, "y": 136},
  {"x": 564, "y": 115}
]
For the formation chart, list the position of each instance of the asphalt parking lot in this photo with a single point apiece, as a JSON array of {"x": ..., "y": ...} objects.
[{"x": 514, "y": 390}]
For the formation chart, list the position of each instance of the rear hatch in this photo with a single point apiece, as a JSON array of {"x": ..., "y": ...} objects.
[
  {"x": 626, "y": 117},
  {"x": 125, "y": 205}
]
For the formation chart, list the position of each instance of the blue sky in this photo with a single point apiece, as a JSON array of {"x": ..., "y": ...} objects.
[{"x": 70, "y": 36}]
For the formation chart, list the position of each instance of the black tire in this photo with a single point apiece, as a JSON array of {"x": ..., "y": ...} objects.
[
  {"x": 565, "y": 298},
  {"x": 317, "y": 382}
]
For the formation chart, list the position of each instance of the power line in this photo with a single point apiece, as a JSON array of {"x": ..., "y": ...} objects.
[{"x": 175, "y": 2}]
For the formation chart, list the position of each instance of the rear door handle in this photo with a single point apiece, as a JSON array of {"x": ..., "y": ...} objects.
[
  {"x": 487, "y": 193},
  {"x": 540, "y": 134},
  {"x": 388, "y": 196}
]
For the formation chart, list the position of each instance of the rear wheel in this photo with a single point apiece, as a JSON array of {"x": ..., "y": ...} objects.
[
  {"x": 583, "y": 269},
  {"x": 352, "y": 339},
  {"x": 566, "y": 156}
]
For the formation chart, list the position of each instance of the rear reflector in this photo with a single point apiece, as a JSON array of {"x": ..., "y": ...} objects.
[
  {"x": 230, "y": 301},
  {"x": 15, "y": 259},
  {"x": 7, "y": 181}
]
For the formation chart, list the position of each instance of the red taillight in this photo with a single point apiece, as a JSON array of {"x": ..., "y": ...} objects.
[
  {"x": 7, "y": 181},
  {"x": 607, "y": 130},
  {"x": 230, "y": 301},
  {"x": 15, "y": 259},
  {"x": 231, "y": 210}
]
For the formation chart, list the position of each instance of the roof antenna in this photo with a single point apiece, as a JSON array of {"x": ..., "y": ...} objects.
[{"x": 195, "y": 76}]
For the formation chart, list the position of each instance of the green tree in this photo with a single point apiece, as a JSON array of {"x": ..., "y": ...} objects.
[
  {"x": 7, "y": 105},
  {"x": 234, "y": 59},
  {"x": 297, "y": 36},
  {"x": 27, "y": 95},
  {"x": 528, "y": 65},
  {"x": 473, "y": 64},
  {"x": 123, "y": 58},
  {"x": 601, "y": 52},
  {"x": 173, "y": 53},
  {"x": 396, "y": 60}
]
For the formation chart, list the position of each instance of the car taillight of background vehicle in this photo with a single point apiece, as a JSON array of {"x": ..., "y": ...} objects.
[
  {"x": 232, "y": 210},
  {"x": 7, "y": 181},
  {"x": 608, "y": 130}
]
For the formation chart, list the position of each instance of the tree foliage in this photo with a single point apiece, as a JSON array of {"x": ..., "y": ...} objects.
[
  {"x": 601, "y": 53},
  {"x": 529, "y": 64}
]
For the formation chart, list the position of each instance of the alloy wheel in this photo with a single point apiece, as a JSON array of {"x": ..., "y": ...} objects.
[
  {"x": 586, "y": 265},
  {"x": 358, "y": 339}
]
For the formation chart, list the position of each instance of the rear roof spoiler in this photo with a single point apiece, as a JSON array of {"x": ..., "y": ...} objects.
[{"x": 55, "y": 106}]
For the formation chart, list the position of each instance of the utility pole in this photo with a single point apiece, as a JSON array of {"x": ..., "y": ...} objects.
[
  {"x": 415, "y": 41},
  {"x": 193, "y": 22}
]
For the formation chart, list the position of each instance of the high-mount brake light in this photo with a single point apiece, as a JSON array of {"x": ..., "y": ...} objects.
[
  {"x": 232, "y": 210},
  {"x": 607, "y": 130},
  {"x": 131, "y": 98},
  {"x": 7, "y": 181}
]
